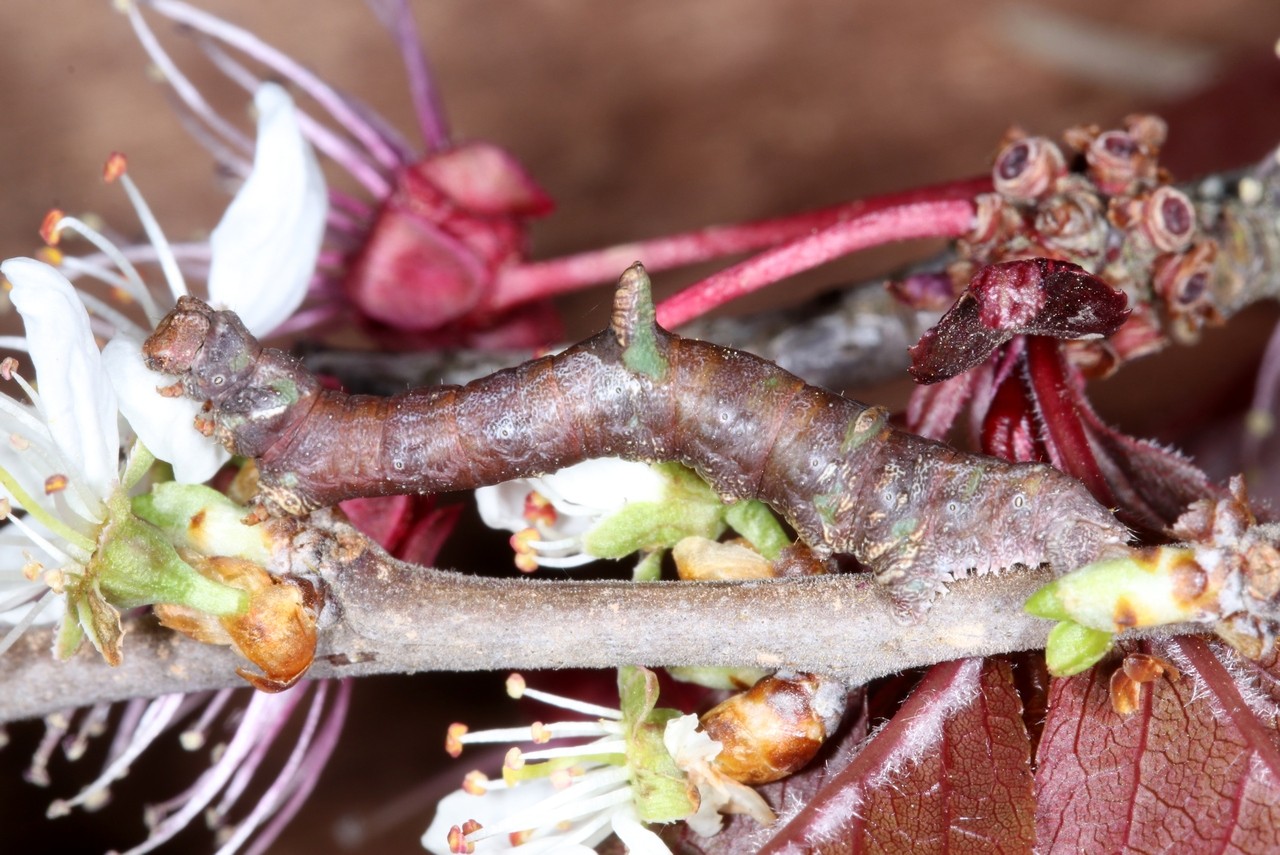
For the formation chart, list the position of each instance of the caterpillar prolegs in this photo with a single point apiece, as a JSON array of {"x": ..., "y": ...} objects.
[{"x": 916, "y": 512}]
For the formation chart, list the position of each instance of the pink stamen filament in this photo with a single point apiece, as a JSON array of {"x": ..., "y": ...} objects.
[
  {"x": 309, "y": 773},
  {"x": 536, "y": 280},
  {"x": 193, "y": 738},
  {"x": 254, "y": 47},
  {"x": 94, "y": 723},
  {"x": 284, "y": 783},
  {"x": 261, "y": 721},
  {"x": 154, "y": 722},
  {"x": 944, "y": 219},
  {"x": 186, "y": 91},
  {"x": 398, "y": 19},
  {"x": 328, "y": 142}
]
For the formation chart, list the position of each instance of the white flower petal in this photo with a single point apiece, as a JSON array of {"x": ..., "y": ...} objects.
[
  {"x": 686, "y": 743},
  {"x": 604, "y": 485},
  {"x": 79, "y": 403},
  {"x": 15, "y": 551},
  {"x": 488, "y": 810},
  {"x": 163, "y": 424},
  {"x": 502, "y": 505},
  {"x": 265, "y": 247},
  {"x": 582, "y": 495},
  {"x": 50, "y": 613},
  {"x": 638, "y": 839}
]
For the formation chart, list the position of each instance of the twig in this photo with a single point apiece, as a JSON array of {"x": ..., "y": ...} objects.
[{"x": 391, "y": 617}]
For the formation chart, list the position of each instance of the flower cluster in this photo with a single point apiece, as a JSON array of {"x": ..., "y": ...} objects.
[
  {"x": 611, "y": 508},
  {"x": 641, "y": 765},
  {"x": 62, "y": 466},
  {"x": 81, "y": 543}
]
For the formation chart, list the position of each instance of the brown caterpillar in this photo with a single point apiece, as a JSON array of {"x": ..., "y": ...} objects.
[{"x": 916, "y": 512}]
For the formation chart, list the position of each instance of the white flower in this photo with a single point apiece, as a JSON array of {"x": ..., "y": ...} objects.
[
  {"x": 163, "y": 424},
  {"x": 552, "y": 514},
  {"x": 570, "y": 798},
  {"x": 61, "y": 453},
  {"x": 61, "y": 465},
  {"x": 261, "y": 256}
]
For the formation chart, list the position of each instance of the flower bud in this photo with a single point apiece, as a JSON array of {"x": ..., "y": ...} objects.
[
  {"x": 277, "y": 632},
  {"x": 1184, "y": 284},
  {"x": 702, "y": 559},
  {"x": 774, "y": 729}
]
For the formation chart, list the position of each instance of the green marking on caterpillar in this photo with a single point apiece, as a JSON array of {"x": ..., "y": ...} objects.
[
  {"x": 904, "y": 528},
  {"x": 635, "y": 322},
  {"x": 975, "y": 480},
  {"x": 826, "y": 504},
  {"x": 286, "y": 389},
  {"x": 869, "y": 423}
]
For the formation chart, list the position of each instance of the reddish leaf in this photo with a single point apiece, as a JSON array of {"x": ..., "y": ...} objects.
[
  {"x": 950, "y": 772},
  {"x": 1195, "y": 769},
  {"x": 1029, "y": 297}
]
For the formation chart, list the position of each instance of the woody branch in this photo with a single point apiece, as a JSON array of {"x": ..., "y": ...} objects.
[{"x": 392, "y": 617}]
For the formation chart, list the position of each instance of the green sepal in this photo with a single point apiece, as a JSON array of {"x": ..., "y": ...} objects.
[
  {"x": 662, "y": 793},
  {"x": 649, "y": 568},
  {"x": 90, "y": 616},
  {"x": 688, "y": 507},
  {"x": 137, "y": 465},
  {"x": 637, "y": 693},
  {"x": 755, "y": 521},
  {"x": 70, "y": 634},
  {"x": 1073, "y": 648},
  {"x": 724, "y": 678},
  {"x": 135, "y": 565},
  {"x": 201, "y": 519}
]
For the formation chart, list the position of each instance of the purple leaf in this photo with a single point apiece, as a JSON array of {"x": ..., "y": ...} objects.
[
  {"x": 950, "y": 772},
  {"x": 1196, "y": 768},
  {"x": 1035, "y": 296}
]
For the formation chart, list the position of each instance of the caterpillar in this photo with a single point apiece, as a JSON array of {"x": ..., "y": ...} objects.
[{"x": 915, "y": 512}]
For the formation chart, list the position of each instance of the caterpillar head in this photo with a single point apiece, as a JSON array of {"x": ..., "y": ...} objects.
[
  {"x": 210, "y": 351},
  {"x": 1081, "y": 530}
]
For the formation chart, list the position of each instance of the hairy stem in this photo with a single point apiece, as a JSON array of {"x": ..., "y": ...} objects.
[{"x": 385, "y": 616}]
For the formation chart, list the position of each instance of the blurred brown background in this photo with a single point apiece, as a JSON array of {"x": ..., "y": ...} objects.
[{"x": 640, "y": 118}]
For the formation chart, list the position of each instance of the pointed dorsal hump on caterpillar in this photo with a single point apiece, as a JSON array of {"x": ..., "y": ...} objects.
[{"x": 635, "y": 326}]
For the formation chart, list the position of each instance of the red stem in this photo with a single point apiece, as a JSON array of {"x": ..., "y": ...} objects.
[
  {"x": 949, "y": 218},
  {"x": 1065, "y": 436},
  {"x": 540, "y": 279}
]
